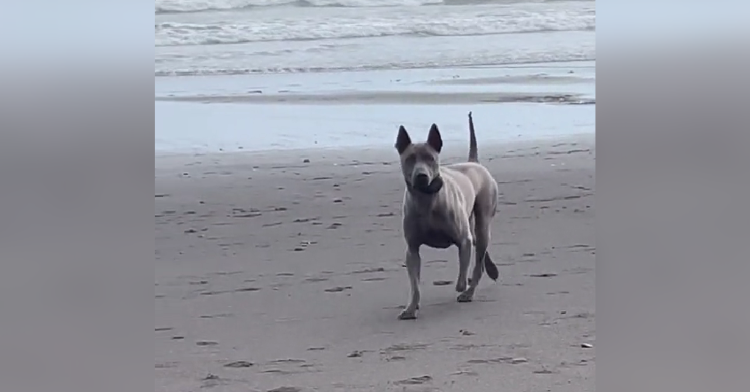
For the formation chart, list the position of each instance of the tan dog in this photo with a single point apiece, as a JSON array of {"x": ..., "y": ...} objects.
[{"x": 445, "y": 206}]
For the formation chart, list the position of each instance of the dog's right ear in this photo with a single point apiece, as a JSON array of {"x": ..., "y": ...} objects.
[{"x": 403, "y": 140}]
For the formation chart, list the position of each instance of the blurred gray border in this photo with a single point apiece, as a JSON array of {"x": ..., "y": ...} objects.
[
  {"x": 76, "y": 191},
  {"x": 671, "y": 207}
]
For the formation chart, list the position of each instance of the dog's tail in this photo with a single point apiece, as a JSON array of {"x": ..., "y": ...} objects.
[
  {"x": 473, "y": 153},
  {"x": 490, "y": 267}
]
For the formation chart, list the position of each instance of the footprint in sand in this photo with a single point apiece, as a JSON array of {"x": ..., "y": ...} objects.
[
  {"x": 287, "y": 360},
  {"x": 305, "y": 220},
  {"x": 509, "y": 360},
  {"x": 227, "y": 273},
  {"x": 300, "y": 362},
  {"x": 285, "y": 389},
  {"x": 337, "y": 289},
  {"x": 245, "y": 289},
  {"x": 578, "y": 270},
  {"x": 211, "y": 381},
  {"x": 465, "y": 373},
  {"x": 221, "y": 315},
  {"x": 375, "y": 279},
  {"x": 303, "y": 245},
  {"x": 367, "y": 271},
  {"x": 239, "y": 364},
  {"x": 280, "y": 371},
  {"x": 404, "y": 347},
  {"x": 414, "y": 380},
  {"x": 543, "y": 275},
  {"x": 242, "y": 213}
]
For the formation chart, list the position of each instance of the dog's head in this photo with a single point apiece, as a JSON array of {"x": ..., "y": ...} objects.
[{"x": 420, "y": 162}]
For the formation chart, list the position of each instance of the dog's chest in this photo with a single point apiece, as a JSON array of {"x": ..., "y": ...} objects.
[
  {"x": 435, "y": 231},
  {"x": 438, "y": 239}
]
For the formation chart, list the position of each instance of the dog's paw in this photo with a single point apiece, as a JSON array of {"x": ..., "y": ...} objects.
[
  {"x": 460, "y": 286},
  {"x": 408, "y": 314},
  {"x": 466, "y": 296}
]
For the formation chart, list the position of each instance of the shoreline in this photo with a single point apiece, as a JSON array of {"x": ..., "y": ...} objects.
[
  {"x": 537, "y": 78},
  {"x": 387, "y": 97},
  {"x": 295, "y": 112}
]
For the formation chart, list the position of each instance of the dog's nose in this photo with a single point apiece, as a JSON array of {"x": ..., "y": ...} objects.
[{"x": 421, "y": 180}]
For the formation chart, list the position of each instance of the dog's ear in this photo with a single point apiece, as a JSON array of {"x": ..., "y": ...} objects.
[
  {"x": 403, "y": 140},
  {"x": 434, "y": 139}
]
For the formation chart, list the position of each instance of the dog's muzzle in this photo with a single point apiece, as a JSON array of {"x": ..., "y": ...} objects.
[{"x": 422, "y": 184}]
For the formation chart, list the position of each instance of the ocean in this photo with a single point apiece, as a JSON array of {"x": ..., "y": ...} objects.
[
  {"x": 234, "y": 37},
  {"x": 256, "y": 75}
]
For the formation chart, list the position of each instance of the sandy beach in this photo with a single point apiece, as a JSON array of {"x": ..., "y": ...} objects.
[{"x": 283, "y": 271}]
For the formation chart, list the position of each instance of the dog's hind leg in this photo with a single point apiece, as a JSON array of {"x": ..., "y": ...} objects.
[
  {"x": 472, "y": 224},
  {"x": 464, "y": 260},
  {"x": 482, "y": 238},
  {"x": 413, "y": 268}
]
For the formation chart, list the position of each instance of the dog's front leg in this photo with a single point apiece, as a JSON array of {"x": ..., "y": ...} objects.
[{"x": 413, "y": 267}]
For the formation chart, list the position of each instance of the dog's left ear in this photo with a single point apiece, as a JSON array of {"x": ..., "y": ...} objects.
[{"x": 434, "y": 139}]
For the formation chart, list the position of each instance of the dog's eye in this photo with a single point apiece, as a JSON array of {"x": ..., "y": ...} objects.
[
  {"x": 410, "y": 160},
  {"x": 428, "y": 158}
]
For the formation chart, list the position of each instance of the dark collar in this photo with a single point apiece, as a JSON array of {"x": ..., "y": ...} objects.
[{"x": 433, "y": 189}]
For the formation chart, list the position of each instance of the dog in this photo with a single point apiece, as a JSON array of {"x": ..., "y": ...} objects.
[{"x": 445, "y": 206}]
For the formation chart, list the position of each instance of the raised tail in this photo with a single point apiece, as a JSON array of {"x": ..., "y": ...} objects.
[{"x": 473, "y": 153}]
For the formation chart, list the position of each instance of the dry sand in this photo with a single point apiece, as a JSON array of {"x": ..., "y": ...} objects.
[{"x": 274, "y": 273}]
